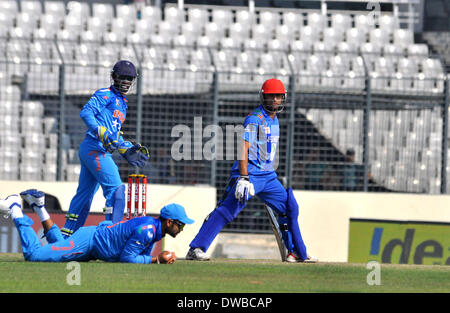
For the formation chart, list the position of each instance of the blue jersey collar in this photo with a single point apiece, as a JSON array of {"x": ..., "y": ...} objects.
[{"x": 264, "y": 112}]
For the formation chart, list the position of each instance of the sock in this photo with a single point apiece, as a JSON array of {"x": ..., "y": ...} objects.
[
  {"x": 16, "y": 212},
  {"x": 41, "y": 212}
]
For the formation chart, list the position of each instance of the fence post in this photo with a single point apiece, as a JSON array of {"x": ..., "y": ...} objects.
[
  {"x": 291, "y": 124},
  {"x": 444, "y": 137},
  {"x": 366, "y": 128},
  {"x": 61, "y": 123},
  {"x": 215, "y": 121}
]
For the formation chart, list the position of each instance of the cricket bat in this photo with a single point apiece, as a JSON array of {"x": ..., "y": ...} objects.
[{"x": 277, "y": 232}]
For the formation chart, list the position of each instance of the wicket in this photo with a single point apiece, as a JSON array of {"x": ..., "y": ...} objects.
[{"x": 139, "y": 182}]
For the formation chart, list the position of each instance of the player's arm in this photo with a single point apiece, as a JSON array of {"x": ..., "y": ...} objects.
[
  {"x": 244, "y": 188},
  {"x": 133, "y": 251}
]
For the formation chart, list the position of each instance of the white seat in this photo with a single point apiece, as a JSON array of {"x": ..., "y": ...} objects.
[
  {"x": 244, "y": 17},
  {"x": 31, "y": 7},
  {"x": 362, "y": 23},
  {"x": 126, "y": 12},
  {"x": 55, "y": 8},
  {"x": 151, "y": 14},
  {"x": 173, "y": 15},
  {"x": 30, "y": 172},
  {"x": 31, "y": 124},
  {"x": 403, "y": 37},
  {"x": 120, "y": 30},
  {"x": 192, "y": 31},
  {"x": 269, "y": 19},
  {"x": 309, "y": 33},
  {"x": 9, "y": 7},
  {"x": 9, "y": 108},
  {"x": 215, "y": 31},
  {"x": 32, "y": 108},
  {"x": 341, "y": 21},
  {"x": 10, "y": 129},
  {"x": 49, "y": 172},
  {"x": 333, "y": 35},
  {"x": 222, "y": 16},
  {"x": 103, "y": 10},
  {"x": 388, "y": 23},
  {"x": 9, "y": 171},
  {"x": 261, "y": 33},
  {"x": 317, "y": 21},
  {"x": 378, "y": 37},
  {"x": 168, "y": 29},
  {"x": 34, "y": 142},
  {"x": 198, "y": 15},
  {"x": 97, "y": 24},
  {"x": 78, "y": 9},
  {"x": 238, "y": 31},
  {"x": 286, "y": 34},
  {"x": 72, "y": 172}
]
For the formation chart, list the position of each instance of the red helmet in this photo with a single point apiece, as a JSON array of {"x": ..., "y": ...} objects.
[{"x": 272, "y": 86}]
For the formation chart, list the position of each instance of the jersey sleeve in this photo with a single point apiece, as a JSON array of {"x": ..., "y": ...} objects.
[
  {"x": 95, "y": 105},
  {"x": 250, "y": 129},
  {"x": 135, "y": 248}
]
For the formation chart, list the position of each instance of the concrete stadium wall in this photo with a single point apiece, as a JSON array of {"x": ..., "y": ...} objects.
[{"x": 324, "y": 216}]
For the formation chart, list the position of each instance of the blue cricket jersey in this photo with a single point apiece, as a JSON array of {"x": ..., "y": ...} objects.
[
  {"x": 263, "y": 133},
  {"x": 107, "y": 107},
  {"x": 127, "y": 241}
]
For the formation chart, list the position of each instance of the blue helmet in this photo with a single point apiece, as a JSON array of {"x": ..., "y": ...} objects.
[{"x": 123, "y": 76}]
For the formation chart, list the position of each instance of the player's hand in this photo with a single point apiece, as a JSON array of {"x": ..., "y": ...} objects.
[
  {"x": 110, "y": 142},
  {"x": 167, "y": 257},
  {"x": 135, "y": 154},
  {"x": 244, "y": 189}
]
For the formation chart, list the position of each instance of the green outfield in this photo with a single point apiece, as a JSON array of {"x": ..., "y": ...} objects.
[{"x": 220, "y": 275}]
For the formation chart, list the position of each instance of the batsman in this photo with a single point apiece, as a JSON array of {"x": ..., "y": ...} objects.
[
  {"x": 104, "y": 115},
  {"x": 254, "y": 174}
]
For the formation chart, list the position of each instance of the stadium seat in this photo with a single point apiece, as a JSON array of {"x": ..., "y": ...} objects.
[
  {"x": 9, "y": 170},
  {"x": 104, "y": 11},
  {"x": 403, "y": 37},
  {"x": 239, "y": 31},
  {"x": 244, "y": 17},
  {"x": 222, "y": 16},
  {"x": 377, "y": 37},
  {"x": 49, "y": 172},
  {"x": 333, "y": 36},
  {"x": 269, "y": 19},
  {"x": 97, "y": 25},
  {"x": 9, "y": 7},
  {"x": 78, "y": 9},
  {"x": 151, "y": 14},
  {"x": 198, "y": 16},
  {"x": 173, "y": 15},
  {"x": 317, "y": 21},
  {"x": 55, "y": 8},
  {"x": 32, "y": 108},
  {"x": 31, "y": 7}
]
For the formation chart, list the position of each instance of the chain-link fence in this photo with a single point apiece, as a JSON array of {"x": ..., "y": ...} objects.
[{"x": 353, "y": 122}]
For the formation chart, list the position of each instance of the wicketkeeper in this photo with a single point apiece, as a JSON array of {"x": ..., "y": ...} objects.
[
  {"x": 129, "y": 241},
  {"x": 254, "y": 174},
  {"x": 104, "y": 115}
]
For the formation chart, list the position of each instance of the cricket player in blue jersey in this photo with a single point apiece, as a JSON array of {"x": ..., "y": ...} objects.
[
  {"x": 104, "y": 114},
  {"x": 129, "y": 241},
  {"x": 254, "y": 174}
]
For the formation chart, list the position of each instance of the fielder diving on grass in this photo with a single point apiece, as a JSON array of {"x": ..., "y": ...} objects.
[
  {"x": 254, "y": 174},
  {"x": 126, "y": 241},
  {"x": 104, "y": 114}
]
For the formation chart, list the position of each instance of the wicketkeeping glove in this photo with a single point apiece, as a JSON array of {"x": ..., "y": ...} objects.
[
  {"x": 244, "y": 189},
  {"x": 107, "y": 138},
  {"x": 135, "y": 154}
]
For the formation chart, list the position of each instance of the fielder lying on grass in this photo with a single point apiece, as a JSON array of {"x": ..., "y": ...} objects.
[{"x": 129, "y": 242}]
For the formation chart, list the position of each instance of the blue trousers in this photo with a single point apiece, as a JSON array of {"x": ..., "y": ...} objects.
[
  {"x": 269, "y": 189},
  {"x": 97, "y": 169},
  {"x": 76, "y": 248}
]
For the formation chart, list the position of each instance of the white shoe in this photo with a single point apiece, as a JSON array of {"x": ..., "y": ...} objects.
[
  {"x": 293, "y": 258},
  {"x": 8, "y": 203},
  {"x": 33, "y": 197},
  {"x": 196, "y": 254}
]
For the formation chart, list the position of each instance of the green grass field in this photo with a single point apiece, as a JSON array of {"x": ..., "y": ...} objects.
[{"x": 220, "y": 276}]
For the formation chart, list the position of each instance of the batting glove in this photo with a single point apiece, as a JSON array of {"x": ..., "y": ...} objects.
[
  {"x": 244, "y": 189},
  {"x": 135, "y": 154},
  {"x": 107, "y": 138}
]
